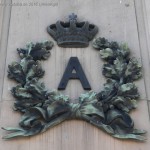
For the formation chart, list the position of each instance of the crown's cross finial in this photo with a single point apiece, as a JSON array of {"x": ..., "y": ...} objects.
[{"x": 73, "y": 17}]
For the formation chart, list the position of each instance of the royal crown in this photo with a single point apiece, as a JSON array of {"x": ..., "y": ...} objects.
[{"x": 72, "y": 34}]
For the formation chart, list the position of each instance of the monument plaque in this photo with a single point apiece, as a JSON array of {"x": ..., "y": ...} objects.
[{"x": 108, "y": 109}]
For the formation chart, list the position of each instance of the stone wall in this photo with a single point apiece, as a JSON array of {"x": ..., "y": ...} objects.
[{"x": 117, "y": 20}]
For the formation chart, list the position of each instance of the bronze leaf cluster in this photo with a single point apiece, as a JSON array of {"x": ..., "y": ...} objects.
[{"x": 107, "y": 110}]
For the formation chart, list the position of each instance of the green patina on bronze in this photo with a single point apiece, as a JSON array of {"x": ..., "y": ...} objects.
[{"x": 107, "y": 110}]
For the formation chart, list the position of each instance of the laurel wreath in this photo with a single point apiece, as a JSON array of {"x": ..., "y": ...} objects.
[{"x": 108, "y": 110}]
